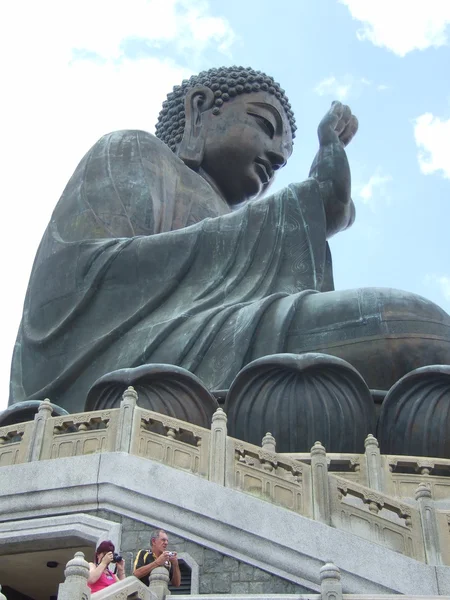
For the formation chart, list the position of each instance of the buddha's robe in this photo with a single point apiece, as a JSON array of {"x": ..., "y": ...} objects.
[{"x": 143, "y": 262}]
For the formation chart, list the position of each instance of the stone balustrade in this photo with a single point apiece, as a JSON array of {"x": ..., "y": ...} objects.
[
  {"x": 390, "y": 500},
  {"x": 77, "y": 570}
]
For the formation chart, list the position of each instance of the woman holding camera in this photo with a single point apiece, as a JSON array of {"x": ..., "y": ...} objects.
[{"x": 100, "y": 575}]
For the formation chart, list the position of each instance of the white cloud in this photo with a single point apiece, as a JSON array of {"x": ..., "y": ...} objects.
[
  {"x": 331, "y": 87},
  {"x": 441, "y": 281},
  {"x": 345, "y": 86},
  {"x": 59, "y": 104},
  {"x": 375, "y": 189},
  {"x": 56, "y": 28},
  {"x": 402, "y": 25},
  {"x": 432, "y": 136}
]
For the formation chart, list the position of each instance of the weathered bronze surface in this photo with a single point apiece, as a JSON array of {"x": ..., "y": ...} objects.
[
  {"x": 148, "y": 259},
  {"x": 301, "y": 398}
]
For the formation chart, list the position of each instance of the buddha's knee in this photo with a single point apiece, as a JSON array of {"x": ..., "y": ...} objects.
[{"x": 384, "y": 333}]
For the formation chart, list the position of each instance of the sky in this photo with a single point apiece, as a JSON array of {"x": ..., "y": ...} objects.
[{"x": 75, "y": 70}]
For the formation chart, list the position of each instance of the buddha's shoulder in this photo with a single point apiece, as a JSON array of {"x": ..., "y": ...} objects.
[
  {"x": 131, "y": 134},
  {"x": 130, "y": 139}
]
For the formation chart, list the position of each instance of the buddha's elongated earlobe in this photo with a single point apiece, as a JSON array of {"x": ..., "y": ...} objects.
[{"x": 197, "y": 101}]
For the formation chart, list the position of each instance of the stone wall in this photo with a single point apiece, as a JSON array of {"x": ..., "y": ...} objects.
[{"x": 217, "y": 572}]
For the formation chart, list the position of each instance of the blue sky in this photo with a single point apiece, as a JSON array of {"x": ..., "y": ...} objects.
[{"x": 72, "y": 71}]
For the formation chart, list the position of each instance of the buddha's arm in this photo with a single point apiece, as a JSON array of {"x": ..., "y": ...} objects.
[{"x": 331, "y": 169}]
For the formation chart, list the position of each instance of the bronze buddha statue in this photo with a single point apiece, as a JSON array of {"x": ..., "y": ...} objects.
[{"x": 166, "y": 251}]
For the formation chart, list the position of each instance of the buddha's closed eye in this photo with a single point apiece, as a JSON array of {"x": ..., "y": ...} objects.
[{"x": 264, "y": 123}]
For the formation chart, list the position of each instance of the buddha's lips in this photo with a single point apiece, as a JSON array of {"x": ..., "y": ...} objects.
[{"x": 264, "y": 169}]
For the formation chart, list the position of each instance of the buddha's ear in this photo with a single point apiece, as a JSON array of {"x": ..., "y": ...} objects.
[{"x": 197, "y": 101}]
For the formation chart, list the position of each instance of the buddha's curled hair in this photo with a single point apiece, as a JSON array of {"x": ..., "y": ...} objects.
[{"x": 226, "y": 83}]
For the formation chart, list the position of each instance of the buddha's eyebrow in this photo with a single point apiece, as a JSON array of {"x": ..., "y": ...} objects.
[{"x": 271, "y": 109}]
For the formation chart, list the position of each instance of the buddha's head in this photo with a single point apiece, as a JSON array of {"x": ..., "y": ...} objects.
[{"x": 233, "y": 125}]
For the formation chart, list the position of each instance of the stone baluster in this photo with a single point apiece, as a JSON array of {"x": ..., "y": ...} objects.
[
  {"x": 159, "y": 582},
  {"x": 126, "y": 419},
  {"x": 38, "y": 430},
  {"x": 2, "y": 596},
  {"x": 429, "y": 525},
  {"x": 218, "y": 446},
  {"x": 76, "y": 574},
  {"x": 330, "y": 582},
  {"x": 373, "y": 463},
  {"x": 269, "y": 443},
  {"x": 321, "y": 491}
]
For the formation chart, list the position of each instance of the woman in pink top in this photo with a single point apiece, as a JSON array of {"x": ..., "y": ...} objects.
[{"x": 100, "y": 575}]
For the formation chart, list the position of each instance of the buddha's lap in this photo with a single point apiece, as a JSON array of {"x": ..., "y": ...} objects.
[{"x": 382, "y": 332}]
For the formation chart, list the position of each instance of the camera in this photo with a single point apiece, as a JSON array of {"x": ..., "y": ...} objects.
[
  {"x": 171, "y": 554},
  {"x": 116, "y": 558}
]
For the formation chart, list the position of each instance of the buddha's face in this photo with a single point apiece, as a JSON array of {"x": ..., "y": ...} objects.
[{"x": 245, "y": 144}]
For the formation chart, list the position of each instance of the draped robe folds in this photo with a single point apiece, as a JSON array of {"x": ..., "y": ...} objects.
[{"x": 143, "y": 262}]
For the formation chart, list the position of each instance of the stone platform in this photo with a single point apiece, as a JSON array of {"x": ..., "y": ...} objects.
[{"x": 245, "y": 518}]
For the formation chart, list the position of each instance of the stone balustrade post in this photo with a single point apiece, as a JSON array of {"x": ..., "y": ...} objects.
[
  {"x": 2, "y": 596},
  {"x": 76, "y": 574},
  {"x": 159, "y": 582},
  {"x": 38, "y": 431},
  {"x": 126, "y": 420},
  {"x": 330, "y": 582},
  {"x": 428, "y": 520},
  {"x": 321, "y": 490},
  {"x": 373, "y": 463},
  {"x": 268, "y": 443},
  {"x": 218, "y": 447}
]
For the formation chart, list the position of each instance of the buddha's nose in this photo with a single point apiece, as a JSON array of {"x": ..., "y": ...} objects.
[{"x": 277, "y": 159}]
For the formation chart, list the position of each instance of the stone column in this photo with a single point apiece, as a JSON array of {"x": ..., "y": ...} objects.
[
  {"x": 429, "y": 525},
  {"x": 321, "y": 491},
  {"x": 330, "y": 582},
  {"x": 126, "y": 419},
  {"x": 269, "y": 443},
  {"x": 75, "y": 586},
  {"x": 373, "y": 463},
  {"x": 2, "y": 596},
  {"x": 38, "y": 430},
  {"x": 217, "y": 447},
  {"x": 159, "y": 582}
]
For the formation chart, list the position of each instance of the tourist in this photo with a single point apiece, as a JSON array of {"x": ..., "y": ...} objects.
[
  {"x": 157, "y": 556},
  {"x": 100, "y": 575}
]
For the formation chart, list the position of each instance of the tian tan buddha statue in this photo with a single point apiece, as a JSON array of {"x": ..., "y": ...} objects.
[{"x": 166, "y": 266}]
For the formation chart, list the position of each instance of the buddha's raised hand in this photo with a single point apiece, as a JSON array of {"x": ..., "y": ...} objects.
[
  {"x": 331, "y": 169},
  {"x": 339, "y": 124}
]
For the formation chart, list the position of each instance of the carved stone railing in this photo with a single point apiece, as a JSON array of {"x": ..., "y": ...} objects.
[
  {"x": 14, "y": 443},
  {"x": 270, "y": 476},
  {"x": 395, "y": 475},
  {"x": 170, "y": 441},
  {"x": 357, "y": 493},
  {"x": 77, "y": 570},
  {"x": 374, "y": 515}
]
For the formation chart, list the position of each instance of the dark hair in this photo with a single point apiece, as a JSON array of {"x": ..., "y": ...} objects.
[
  {"x": 226, "y": 83},
  {"x": 104, "y": 547}
]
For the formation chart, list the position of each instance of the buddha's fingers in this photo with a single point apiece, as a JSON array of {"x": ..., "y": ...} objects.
[
  {"x": 327, "y": 126},
  {"x": 344, "y": 120},
  {"x": 349, "y": 131}
]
